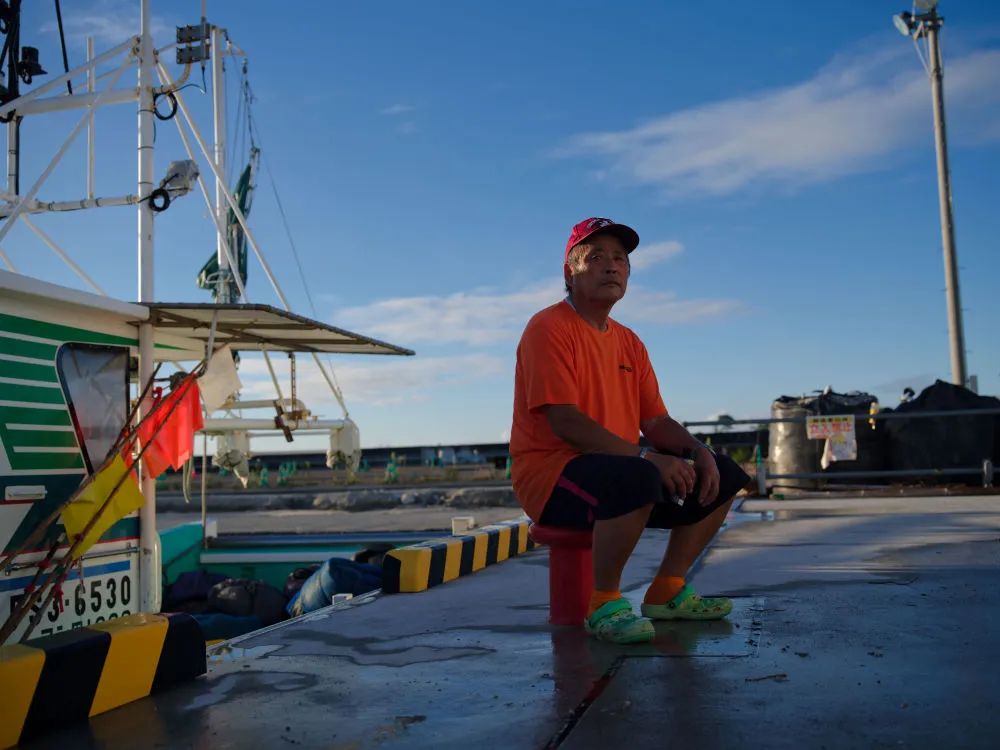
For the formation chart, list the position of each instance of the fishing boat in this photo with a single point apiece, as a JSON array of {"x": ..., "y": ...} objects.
[{"x": 78, "y": 368}]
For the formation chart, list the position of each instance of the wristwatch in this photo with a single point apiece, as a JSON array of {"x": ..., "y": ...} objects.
[{"x": 643, "y": 451}]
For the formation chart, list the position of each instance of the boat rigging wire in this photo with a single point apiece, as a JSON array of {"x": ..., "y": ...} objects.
[
  {"x": 219, "y": 228},
  {"x": 62, "y": 42},
  {"x": 254, "y": 135},
  {"x": 331, "y": 379},
  {"x": 241, "y": 219}
]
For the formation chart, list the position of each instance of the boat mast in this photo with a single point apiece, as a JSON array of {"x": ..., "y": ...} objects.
[
  {"x": 223, "y": 284},
  {"x": 149, "y": 562},
  {"x": 13, "y": 92}
]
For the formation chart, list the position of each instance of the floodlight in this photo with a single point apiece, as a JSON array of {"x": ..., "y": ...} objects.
[
  {"x": 904, "y": 23},
  {"x": 925, "y": 5},
  {"x": 181, "y": 176}
]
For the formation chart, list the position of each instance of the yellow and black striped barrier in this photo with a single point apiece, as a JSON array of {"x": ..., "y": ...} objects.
[
  {"x": 421, "y": 566},
  {"x": 67, "y": 677}
]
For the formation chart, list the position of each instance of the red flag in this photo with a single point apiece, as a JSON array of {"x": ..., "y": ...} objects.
[{"x": 173, "y": 443}]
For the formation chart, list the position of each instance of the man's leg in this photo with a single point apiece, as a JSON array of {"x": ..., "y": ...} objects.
[
  {"x": 610, "y": 616},
  {"x": 668, "y": 597},
  {"x": 691, "y": 529},
  {"x": 614, "y": 540},
  {"x": 687, "y": 542},
  {"x": 613, "y": 496}
]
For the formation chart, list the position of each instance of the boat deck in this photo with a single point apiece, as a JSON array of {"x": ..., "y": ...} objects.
[{"x": 859, "y": 622}]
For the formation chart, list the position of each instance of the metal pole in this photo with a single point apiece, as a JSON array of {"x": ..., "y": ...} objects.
[
  {"x": 762, "y": 479},
  {"x": 62, "y": 254},
  {"x": 34, "y": 94},
  {"x": 149, "y": 573},
  {"x": 204, "y": 487},
  {"x": 40, "y": 207},
  {"x": 204, "y": 193},
  {"x": 955, "y": 333},
  {"x": 223, "y": 288},
  {"x": 90, "y": 127},
  {"x": 226, "y": 194},
  {"x": 13, "y": 148},
  {"x": 29, "y": 197},
  {"x": 14, "y": 91},
  {"x": 6, "y": 261}
]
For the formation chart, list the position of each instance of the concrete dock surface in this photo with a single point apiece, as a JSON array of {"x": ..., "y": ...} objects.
[{"x": 859, "y": 623}]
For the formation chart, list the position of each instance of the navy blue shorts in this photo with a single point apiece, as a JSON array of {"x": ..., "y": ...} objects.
[{"x": 597, "y": 487}]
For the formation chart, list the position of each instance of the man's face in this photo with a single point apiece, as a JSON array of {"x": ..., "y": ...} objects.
[{"x": 602, "y": 274}]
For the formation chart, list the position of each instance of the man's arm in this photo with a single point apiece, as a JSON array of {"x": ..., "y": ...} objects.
[
  {"x": 667, "y": 434},
  {"x": 584, "y": 434},
  {"x": 587, "y": 436}
]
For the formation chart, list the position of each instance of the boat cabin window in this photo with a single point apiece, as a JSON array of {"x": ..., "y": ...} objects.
[{"x": 95, "y": 382}]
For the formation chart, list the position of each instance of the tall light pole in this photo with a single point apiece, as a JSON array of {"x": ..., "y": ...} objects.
[{"x": 927, "y": 24}]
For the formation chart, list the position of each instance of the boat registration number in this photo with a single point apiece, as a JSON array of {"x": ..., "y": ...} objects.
[{"x": 87, "y": 601}]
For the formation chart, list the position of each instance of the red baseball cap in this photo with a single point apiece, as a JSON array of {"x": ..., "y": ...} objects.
[{"x": 628, "y": 236}]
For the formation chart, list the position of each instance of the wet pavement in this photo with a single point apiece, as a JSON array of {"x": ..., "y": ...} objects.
[{"x": 852, "y": 628}]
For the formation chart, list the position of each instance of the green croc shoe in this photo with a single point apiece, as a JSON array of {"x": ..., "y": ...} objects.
[
  {"x": 687, "y": 605},
  {"x": 615, "y": 622}
]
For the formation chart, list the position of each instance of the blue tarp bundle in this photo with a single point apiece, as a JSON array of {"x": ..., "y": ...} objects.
[{"x": 335, "y": 576}]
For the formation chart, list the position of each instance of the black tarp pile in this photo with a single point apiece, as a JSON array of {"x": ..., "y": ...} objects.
[{"x": 960, "y": 442}]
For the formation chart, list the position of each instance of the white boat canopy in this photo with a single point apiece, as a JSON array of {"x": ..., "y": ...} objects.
[{"x": 261, "y": 328}]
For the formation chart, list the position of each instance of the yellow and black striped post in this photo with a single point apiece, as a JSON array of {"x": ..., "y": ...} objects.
[
  {"x": 421, "y": 566},
  {"x": 67, "y": 677}
]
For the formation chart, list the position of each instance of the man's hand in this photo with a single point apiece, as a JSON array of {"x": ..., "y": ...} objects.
[
  {"x": 708, "y": 473},
  {"x": 678, "y": 475}
]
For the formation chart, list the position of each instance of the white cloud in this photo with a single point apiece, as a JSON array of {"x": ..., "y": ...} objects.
[
  {"x": 384, "y": 381},
  {"x": 397, "y": 109},
  {"x": 650, "y": 306},
  {"x": 478, "y": 318},
  {"x": 483, "y": 318},
  {"x": 848, "y": 118},
  {"x": 110, "y": 22},
  {"x": 648, "y": 255}
]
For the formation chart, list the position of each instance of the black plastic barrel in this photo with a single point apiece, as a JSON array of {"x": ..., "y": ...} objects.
[{"x": 792, "y": 452}]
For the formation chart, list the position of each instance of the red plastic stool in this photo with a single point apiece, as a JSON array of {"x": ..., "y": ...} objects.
[{"x": 571, "y": 572}]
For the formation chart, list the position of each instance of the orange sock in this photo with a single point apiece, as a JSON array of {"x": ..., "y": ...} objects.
[
  {"x": 599, "y": 598},
  {"x": 663, "y": 589}
]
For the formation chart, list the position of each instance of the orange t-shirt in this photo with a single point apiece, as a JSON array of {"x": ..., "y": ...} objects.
[{"x": 561, "y": 359}]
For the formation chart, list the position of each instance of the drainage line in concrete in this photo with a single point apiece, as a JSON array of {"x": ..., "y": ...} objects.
[{"x": 577, "y": 713}]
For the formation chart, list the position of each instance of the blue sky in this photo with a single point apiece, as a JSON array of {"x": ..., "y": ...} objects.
[{"x": 777, "y": 160}]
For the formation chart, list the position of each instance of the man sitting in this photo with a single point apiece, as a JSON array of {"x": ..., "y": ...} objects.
[{"x": 584, "y": 388}]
